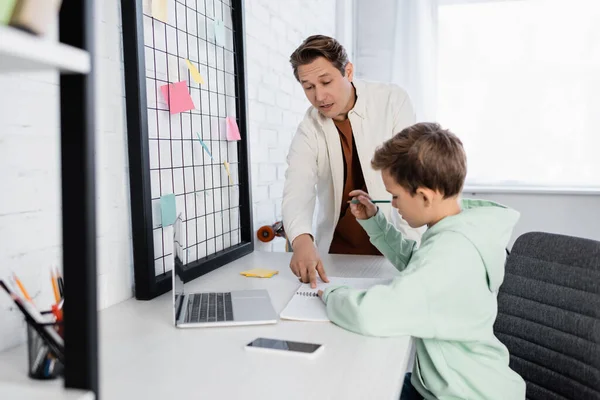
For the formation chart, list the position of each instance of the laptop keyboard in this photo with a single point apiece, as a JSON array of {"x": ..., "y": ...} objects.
[{"x": 209, "y": 307}]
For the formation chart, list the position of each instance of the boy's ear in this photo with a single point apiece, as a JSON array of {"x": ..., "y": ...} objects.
[{"x": 426, "y": 195}]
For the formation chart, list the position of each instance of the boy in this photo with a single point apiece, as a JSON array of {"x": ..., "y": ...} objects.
[{"x": 446, "y": 294}]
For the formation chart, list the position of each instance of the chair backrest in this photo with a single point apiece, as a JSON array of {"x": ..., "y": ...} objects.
[{"x": 549, "y": 315}]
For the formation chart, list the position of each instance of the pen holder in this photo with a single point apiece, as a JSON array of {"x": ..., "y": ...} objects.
[{"x": 43, "y": 363}]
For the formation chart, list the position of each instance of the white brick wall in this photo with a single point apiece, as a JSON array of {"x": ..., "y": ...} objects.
[
  {"x": 30, "y": 203},
  {"x": 30, "y": 211},
  {"x": 30, "y": 208},
  {"x": 276, "y": 102},
  {"x": 115, "y": 257}
]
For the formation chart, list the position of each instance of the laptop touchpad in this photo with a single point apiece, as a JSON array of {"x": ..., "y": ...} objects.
[{"x": 252, "y": 305}]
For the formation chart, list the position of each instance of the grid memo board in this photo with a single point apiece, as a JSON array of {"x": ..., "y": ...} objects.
[{"x": 187, "y": 153}]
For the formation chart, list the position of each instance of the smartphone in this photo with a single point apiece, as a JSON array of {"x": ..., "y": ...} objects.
[{"x": 287, "y": 346}]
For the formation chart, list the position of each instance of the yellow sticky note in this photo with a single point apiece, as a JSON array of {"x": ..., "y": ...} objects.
[
  {"x": 259, "y": 273},
  {"x": 194, "y": 72},
  {"x": 226, "y": 164},
  {"x": 159, "y": 10}
]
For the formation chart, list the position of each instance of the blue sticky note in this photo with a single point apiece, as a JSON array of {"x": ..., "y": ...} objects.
[
  {"x": 204, "y": 145},
  {"x": 219, "y": 32},
  {"x": 168, "y": 210}
]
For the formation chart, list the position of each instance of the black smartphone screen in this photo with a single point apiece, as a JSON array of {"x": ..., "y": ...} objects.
[{"x": 286, "y": 345}]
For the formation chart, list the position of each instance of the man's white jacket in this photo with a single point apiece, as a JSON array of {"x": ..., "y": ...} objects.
[{"x": 315, "y": 173}]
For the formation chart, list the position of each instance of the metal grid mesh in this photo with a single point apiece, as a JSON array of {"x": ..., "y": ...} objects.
[{"x": 206, "y": 198}]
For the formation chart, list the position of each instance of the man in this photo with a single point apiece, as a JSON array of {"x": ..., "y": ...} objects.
[{"x": 331, "y": 152}]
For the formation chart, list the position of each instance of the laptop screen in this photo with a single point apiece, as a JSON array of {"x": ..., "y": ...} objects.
[{"x": 179, "y": 261}]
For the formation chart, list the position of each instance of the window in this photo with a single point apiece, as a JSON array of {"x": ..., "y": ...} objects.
[{"x": 519, "y": 82}]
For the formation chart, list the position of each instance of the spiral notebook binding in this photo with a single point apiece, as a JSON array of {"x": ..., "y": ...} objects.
[{"x": 308, "y": 294}]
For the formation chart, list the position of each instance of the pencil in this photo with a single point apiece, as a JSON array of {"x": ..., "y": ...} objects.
[
  {"x": 55, "y": 287},
  {"x": 21, "y": 287},
  {"x": 355, "y": 201}
]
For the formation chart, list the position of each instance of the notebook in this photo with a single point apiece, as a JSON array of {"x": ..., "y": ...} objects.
[{"x": 305, "y": 305}]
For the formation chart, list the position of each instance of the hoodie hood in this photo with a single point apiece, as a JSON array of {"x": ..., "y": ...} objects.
[{"x": 489, "y": 226}]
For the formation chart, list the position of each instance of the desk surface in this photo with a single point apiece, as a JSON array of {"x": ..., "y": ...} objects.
[{"x": 142, "y": 355}]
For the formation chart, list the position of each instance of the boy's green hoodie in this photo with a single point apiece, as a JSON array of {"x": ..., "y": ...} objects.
[{"x": 445, "y": 297}]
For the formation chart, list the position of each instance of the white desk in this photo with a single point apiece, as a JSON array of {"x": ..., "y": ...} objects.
[
  {"x": 142, "y": 355},
  {"x": 40, "y": 391}
]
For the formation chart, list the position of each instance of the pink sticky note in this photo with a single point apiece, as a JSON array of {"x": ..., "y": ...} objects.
[
  {"x": 179, "y": 96},
  {"x": 233, "y": 132}
]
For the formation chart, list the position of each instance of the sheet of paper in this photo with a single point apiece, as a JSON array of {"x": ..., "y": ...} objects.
[
  {"x": 168, "y": 209},
  {"x": 177, "y": 97},
  {"x": 219, "y": 32},
  {"x": 306, "y": 306},
  {"x": 226, "y": 164},
  {"x": 159, "y": 10},
  {"x": 194, "y": 72},
  {"x": 204, "y": 146},
  {"x": 233, "y": 132},
  {"x": 354, "y": 283}
]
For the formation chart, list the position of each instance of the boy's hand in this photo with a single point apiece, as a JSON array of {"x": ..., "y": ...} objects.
[{"x": 365, "y": 209}]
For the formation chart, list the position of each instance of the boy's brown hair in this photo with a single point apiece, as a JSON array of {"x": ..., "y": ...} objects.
[
  {"x": 424, "y": 155},
  {"x": 317, "y": 46}
]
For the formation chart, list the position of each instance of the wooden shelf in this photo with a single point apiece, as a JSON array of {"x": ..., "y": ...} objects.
[{"x": 21, "y": 51}]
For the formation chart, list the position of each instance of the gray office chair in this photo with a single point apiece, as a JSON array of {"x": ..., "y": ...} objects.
[{"x": 549, "y": 315}]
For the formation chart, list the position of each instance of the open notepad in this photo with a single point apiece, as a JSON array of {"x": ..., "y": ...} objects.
[{"x": 305, "y": 305}]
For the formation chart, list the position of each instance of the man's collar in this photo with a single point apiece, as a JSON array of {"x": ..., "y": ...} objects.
[{"x": 360, "y": 106}]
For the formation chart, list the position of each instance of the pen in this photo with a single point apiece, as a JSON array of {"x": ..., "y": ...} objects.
[
  {"x": 42, "y": 352},
  {"x": 21, "y": 287},
  {"x": 61, "y": 284},
  {"x": 51, "y": 367},
  {"x": 355, "y": 201}
]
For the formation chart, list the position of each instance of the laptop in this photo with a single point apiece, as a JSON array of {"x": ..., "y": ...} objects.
[{"x": 212, "y": 309}]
